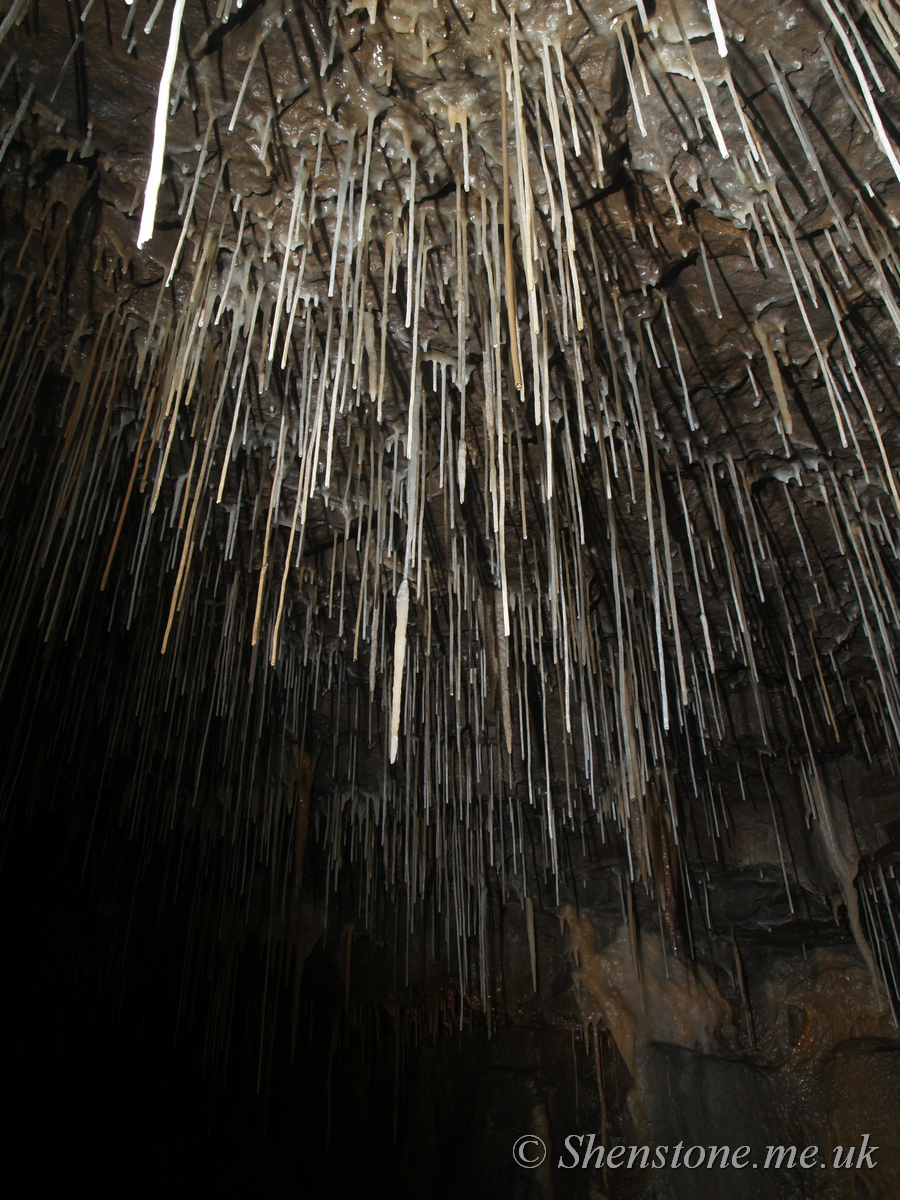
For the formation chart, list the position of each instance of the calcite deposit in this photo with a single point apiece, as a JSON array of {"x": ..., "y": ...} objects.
[{"x": 449, "y": 536}]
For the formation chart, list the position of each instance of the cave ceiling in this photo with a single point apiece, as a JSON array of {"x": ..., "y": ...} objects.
[{"x": 449, "y": 459}]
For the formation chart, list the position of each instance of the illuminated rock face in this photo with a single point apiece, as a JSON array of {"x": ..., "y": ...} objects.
[{"x": 496, "y": 430}]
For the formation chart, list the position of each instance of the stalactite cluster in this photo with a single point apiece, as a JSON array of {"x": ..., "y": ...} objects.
[{"x": 432, "y": 438}]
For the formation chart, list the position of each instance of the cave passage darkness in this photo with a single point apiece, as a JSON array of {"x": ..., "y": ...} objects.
[{"x": 450, "y": 590}]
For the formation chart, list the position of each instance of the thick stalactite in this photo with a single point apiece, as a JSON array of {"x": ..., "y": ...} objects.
[{"x": 450, "y": 533}]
